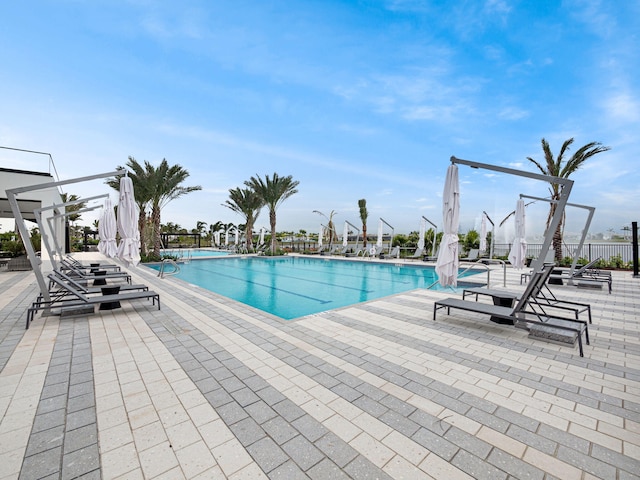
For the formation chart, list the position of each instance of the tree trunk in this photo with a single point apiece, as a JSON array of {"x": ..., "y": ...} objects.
[
  {"x": 557, "y": 243},
  {"x": 142, "y": 220},
  {"x": 364, "y": 236},
  {"x": 249, "y": 234},
  {"x": 272, "y": 221},
  {"x": 155, "y": 218}
]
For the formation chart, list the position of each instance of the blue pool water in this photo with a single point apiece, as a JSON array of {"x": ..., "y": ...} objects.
[
  {"x": 193, "y": 253},
  {"x": 291, "y": 287}
]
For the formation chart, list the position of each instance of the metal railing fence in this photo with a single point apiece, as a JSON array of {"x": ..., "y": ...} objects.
[{"x": 590, "y": 251}]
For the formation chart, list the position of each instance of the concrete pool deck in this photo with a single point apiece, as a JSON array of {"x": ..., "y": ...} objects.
[{"x": 210, "y": 388}]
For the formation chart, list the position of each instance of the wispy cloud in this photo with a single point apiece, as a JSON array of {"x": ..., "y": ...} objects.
[{"x": 622, "y": 106}]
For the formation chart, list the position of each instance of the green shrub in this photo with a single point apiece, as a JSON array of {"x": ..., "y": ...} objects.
[
  {"x": 615, "y": 261},
  {"x": 14, "y": 247}
]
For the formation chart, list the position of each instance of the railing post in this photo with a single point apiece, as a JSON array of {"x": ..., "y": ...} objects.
[{"x": 634, "y": 247}]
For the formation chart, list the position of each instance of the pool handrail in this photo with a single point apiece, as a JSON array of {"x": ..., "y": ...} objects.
[{"x": 168, "y": 261}]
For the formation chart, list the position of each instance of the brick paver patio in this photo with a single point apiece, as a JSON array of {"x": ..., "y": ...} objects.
[{"x": 210, "y": 388}]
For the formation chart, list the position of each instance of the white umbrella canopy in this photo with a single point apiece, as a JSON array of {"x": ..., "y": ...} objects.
[
  {"x": 423, "y": 230},
  {"x": 107, "y": 229},
  {"x": 261, "y": 241},
  {"x": 483, "y": 233},
  {"x": 128, "y": 213},
  {"x": 216, "y": 237},
  {"x": 518, "y": 252},
  {"x": 320, "y": 235},
  {"x": 447, "y": 263},
  {"x": 379, "y": 239},
  {"x": 345, "y": 235},
  {"x": 237, "y": 237},
  {"x": 226, "y": 237}
]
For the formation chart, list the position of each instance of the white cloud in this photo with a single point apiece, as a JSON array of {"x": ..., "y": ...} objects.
[
  {"x": 623, "y": 107},
  {"x": 513, "y": 113}
]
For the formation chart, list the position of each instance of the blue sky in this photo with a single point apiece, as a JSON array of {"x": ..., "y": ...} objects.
[{"x": 354, "y": 99}]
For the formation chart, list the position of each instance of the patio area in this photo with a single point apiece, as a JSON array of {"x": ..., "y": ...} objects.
[{"x": 209, "y": 388}]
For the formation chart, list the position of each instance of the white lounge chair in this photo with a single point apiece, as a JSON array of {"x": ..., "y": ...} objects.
[
  {"x": 418, "y": 254},
  {"x": 472, "y": 256}
]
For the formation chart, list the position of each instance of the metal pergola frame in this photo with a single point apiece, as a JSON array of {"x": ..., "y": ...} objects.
[
  {"x": 52, "y": 229},
  {"x": 566, "y": 186},
  {"x": 392, "y": 231},
  {"x": 584, "y": 231},
  {"x": 12, "y": 196},
  {"x": 357, "y": 236}
]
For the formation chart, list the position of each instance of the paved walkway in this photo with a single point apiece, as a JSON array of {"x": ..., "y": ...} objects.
[{"x": 209, "y": 388}]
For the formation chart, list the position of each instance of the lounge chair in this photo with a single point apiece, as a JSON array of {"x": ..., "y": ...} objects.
[
  {"x": 418, "y": 254},
  {"x": 69, "y": 303},
  {"x": 472, "y": 256},
  {"x": 542, "y": 298},
  {"x": 341, "y": 250},
  {"x": 394, "y": 253},
  {"x": 569, "y": 330},
  {"x": 586, "y": 276},
  {"x": 96, "y": 274},
  {"x": 373, "y": 251},
  {"x": 83, "y": 287},
  {"x": 321, "y": 250},
  {"x": 432, "y": 258},
  {"x": 100, "y": 265}
]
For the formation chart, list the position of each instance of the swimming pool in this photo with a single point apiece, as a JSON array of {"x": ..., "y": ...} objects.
[
  {"x": 183, "y": 253},
  {"x": 291, "y": 287}
]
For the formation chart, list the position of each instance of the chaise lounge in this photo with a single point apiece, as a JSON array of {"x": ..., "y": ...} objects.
[
  {"x": 543, "y": 298},
  {"x": 570, "y": 330},
  {"x": 76, "y": 300}
]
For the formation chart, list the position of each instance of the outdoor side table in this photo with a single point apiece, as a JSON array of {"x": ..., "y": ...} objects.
[
  {"x": 503, "y": 301},
  {"x": 100, "y": 277},
  {"x": 110, "y": 290},
  {"x": 556, "y": 280}
]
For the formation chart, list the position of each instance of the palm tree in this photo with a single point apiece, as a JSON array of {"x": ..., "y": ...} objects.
[
  {"x": 362, "y": 205},
  {"x": 273, "y": 191},
  {"x": 155, "y": 187},
  {"x": 201, "y": 227},
  {"x": 333, "y": 235},
  {"x": 247, "y": 203},
  {"x": 142, "y": 185},
  {"x": 167, "y": 187},
  {"x": 72, "y": 217},
  {"x": 559, "y": 168}
]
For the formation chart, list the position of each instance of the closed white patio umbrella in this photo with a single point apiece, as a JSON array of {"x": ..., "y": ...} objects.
[
  {"x": 423, "y": 230},
  {"x": 216, "y": 238},
  {"x": 345, "y": 235},
  {"x": 107, "y": 229},
  {"x": 518, "y": 252},
  {"x": 379, "y": 239},
  {"x": 320, "y": 235},
  {"x": 261, "y": 241},
  {"x": 128, "y": 213},
  {"x": 447, "y": 263}
]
